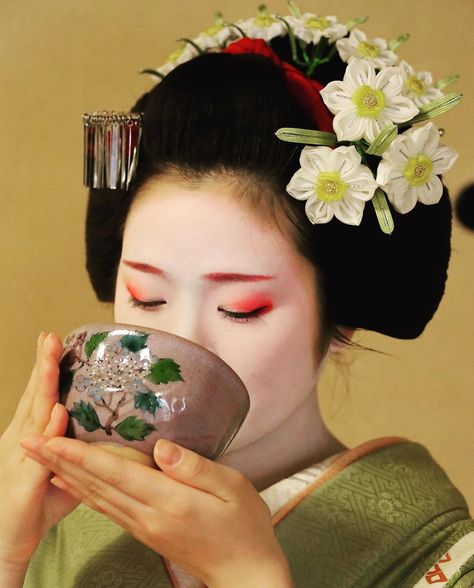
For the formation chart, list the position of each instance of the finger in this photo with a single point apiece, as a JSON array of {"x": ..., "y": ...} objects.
[
  {"x": 36, "y": 474},
  {"x": 101, "y": 495},
  {"x": 47, "y": 394},
  {"x": 111, "y": 471},
  {"x": 194, "y": 470},
  {"x": 58, "y": 422},
  {"x": 76, "y": 492},
  {"x": 25, "y": 404}
]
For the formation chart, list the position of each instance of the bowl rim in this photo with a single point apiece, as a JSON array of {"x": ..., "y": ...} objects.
[{"x": 136, "y": 328}]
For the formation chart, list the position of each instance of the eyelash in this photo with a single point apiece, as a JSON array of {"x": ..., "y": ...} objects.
[{"x": 238, "y": 317}]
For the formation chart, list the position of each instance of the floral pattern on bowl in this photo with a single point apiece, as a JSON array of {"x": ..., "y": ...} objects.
[{"x": 127, "y": 385}]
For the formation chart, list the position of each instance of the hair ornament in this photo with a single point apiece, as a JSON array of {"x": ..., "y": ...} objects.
[
  {"x": 364, "y": 145},
  {"x": 111, "y": 141}
]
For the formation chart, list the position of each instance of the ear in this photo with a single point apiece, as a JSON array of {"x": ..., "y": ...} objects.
[{"x": 337, "y": 346}]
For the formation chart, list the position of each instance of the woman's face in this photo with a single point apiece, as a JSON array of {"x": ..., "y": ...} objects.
[{"x": 198, "y": 264}]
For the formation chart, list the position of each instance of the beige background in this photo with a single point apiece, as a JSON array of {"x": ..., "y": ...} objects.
[{"x": 60, "y": 58}]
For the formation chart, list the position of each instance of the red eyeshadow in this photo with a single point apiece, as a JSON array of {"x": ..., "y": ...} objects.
[
  {"x": 135, "y": 292},
  {"x": 249, "y": 304}
]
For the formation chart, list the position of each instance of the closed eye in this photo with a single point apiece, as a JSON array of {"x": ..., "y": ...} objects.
[{"x": 240, "y": 317}]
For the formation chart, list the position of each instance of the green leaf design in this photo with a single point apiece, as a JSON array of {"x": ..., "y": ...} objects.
[
  {"x": 306, "y": 136},
  {"x": 147, "y": 402},
  {"x": 86, "y": 416},
  {"x": 394, "y": 44},
  {"x": 350, "y": 24},
  {"x": 382, "y": 211},
  {"x": 134, "y": 429},
  {"x": 437, "y": 107},
  {"x": 383, "y": 140},
  {"x": 94, "y": 342},
  {"x": 165, "y": 370},
  {"x": 294, "y": 9},
  {"x": 153, "y": 72},
  {"x": 134, "y": 343},
  {"x": 447, "y": 81}
]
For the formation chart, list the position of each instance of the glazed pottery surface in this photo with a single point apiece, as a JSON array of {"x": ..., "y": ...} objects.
[{"x": 130, "y": 386}]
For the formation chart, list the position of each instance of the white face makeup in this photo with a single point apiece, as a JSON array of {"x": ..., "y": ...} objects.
[{"x": 182, "y": 249}]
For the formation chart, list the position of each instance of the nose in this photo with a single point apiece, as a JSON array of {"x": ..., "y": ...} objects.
[{"x": 187, "y": 324}]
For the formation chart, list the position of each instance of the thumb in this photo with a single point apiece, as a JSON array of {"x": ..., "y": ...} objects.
[{"x": 199, "y": 472}]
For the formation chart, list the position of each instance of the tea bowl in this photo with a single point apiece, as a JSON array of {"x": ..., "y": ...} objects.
[{"x": 127, "y": 386}]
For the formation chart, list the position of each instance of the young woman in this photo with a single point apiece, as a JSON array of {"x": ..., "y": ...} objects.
[{"x": 209, "y": 245}]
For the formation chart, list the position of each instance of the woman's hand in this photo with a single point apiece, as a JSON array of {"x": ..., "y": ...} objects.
[
  {"x": 29, "y": 504},
  {"x": 203, "y": 516}
]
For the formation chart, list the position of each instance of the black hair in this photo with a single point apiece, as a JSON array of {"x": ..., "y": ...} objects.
[{"x": 218, "y": 113}]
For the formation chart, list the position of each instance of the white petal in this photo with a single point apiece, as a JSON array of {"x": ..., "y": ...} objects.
[
  {"x": 386, "y": 59},
  {"x": 315, "y": 159},
  {"x": 443, "y": 159},
  {"x": 359, "y": 72},
  {"x": 403, "y": 200},
  {"x": 385, "y": 170},
  {"x": 336, "y": 96},
  {"x": 406, "y": 68},
  {"x": 429, "y": 139},
  {"x": 426, "y": 77},
  {"x": 345, "y": 160},
  {"x": 349, "y": 211},
  {"x": 318, "y": 211},
  {"x": 362, "y": 186},
  {"x": 431, "y": 94},
  {"x": 380, "y": 43},
  {"x": 398, "y": 152},
  {"x": 348, "y": 126},
  {"x": 431, "y": 192},
  {"x": 389, "y": 81},
  {"x": 344, "y": 48},
  {"x": 358, "y": 36},
  {"x": 301, "y": 186},
  {"x": 372, "y": 128},
  {"x": 401, "y": 109}
]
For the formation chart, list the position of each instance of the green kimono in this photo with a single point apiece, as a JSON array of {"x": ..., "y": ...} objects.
[{"x": 383, "y": 515}]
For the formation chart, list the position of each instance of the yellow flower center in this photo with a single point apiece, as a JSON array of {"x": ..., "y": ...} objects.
[
  {"x": 264, "y": 21},
  {"x": 366, "y": 49},
  {"x": 369, "y": 101},
  {"x": 175, "y": 55},
  {"x": 415, "y": 85},
  {"x": 330, "y": 187},
  {"x": 317, "y": 22},
  {"x": 211, "y": 31},
  {"x": 418, "y": 170}
]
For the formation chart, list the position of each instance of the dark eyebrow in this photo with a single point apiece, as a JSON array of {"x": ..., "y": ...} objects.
[{"x": 220, "y": 277}]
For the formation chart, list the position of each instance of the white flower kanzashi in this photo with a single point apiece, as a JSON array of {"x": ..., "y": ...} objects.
[
  {"x": 334, "y": 183},
  {"x": 357, "y": 46},
  {"x": 409, "y": 169},
  {"x": 365, "y": 102},
  {"x": 418, "y": 86},
  {"x": 216, "y": 36},
  {"x": 310, "y": 27},
  {"x": 263, "y": 26},
  {"x": 185, "y": 52}
]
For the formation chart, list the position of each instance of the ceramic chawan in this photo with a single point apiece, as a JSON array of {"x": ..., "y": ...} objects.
[{"x": 125, "y": 387}]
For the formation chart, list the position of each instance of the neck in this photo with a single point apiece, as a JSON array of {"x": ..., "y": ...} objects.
[{"x": 300, "y": 441}]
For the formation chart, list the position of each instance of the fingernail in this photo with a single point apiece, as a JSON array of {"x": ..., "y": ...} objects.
[
  {"x": 38, "y": 342},
  {"x": 167, "y": 452}
]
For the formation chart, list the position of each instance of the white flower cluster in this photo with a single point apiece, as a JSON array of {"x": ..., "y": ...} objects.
[
  {"x": 374, "y": 95},
  {"x": 308, "y": 27}
]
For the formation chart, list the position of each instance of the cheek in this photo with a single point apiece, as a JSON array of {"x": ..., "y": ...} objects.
[{"x": 278, "y": 368}]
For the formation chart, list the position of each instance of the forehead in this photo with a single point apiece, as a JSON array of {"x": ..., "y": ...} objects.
[{"x": 202, "y": 226}]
